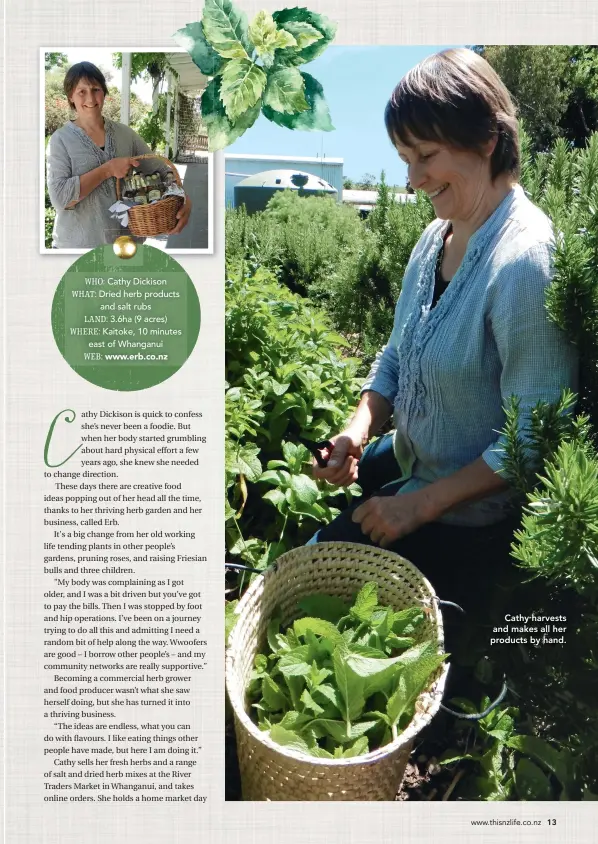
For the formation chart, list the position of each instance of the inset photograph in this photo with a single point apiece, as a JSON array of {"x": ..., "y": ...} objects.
[{"x": 124, "y": 151}]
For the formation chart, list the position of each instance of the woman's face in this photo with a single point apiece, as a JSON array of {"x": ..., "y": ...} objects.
[
  {"x": 88, "y": 97},
  {"x": 455, "y": 180}
]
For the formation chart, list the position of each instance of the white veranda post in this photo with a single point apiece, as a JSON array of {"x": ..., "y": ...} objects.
[
  {"x": 168, "y": 116},
  {"x": 175, "y": 140},
  {"x": 125, "y": 92}
]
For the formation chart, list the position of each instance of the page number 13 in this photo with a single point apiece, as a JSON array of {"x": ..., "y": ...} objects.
[{"x": 551, "y": 822}]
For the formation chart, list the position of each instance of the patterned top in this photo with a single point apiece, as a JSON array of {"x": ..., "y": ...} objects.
[
  {"x": 70, "y": 154},
  {"x": 448, "y": 369}
]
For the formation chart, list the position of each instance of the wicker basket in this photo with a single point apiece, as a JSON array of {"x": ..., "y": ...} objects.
[
  {"x": 272, "y": 772},
  {"x": 159, "y": 217}
]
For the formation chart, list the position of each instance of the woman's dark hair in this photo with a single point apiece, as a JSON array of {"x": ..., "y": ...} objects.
[
  {"x": 79, "y": 71},
  {"x": 455, "y": 97}
]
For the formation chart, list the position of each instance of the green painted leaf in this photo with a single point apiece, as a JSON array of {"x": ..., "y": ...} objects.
[
  {"x": 531, "y": 782},
  {"x": 242, "y": 85},
  {"x": 350, "y": 686},
  {"x": 365, "y": 602},
  {"x": 192, "y": 38},
  {"x": 304, "y": 34},
  {"x": 284, "y": 91},
  {"x": 315, "y": 118},
  {"x": 286, "y": 18},
  {"x": 317, "y": 626},
  {"x": 273, "y": 694},
  {"x": 328, "y": 607},
  {"x": 266, "y": 37},
  {"x": 221, "y": 131},
  {"x": 225, "y": 27}
]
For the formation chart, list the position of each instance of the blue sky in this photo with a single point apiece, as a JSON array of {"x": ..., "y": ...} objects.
[{"x": 357, "y": 82}]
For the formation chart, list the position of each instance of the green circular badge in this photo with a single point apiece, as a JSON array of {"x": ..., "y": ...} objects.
[{"x": 125, "y": 323}]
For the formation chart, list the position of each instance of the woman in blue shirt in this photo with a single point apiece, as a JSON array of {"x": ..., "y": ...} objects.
[{"x": 470, "y": 330}]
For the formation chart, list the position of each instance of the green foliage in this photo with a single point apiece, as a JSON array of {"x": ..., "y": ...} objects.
[
  {"x": 285, "y": 378},
  {"x": 505, "y": 765},
  {"x": 554, "y": 88},
  {"x": 254, "y": 66},
  {"x": 49, "y": 217},
  {"x": 325, "y": 685},
  {"x": 320, "y": 248},
  {"x": 55, "y": 60},
  {"x": 151, "y": 126},
  {"x": 559, "y": 535}
]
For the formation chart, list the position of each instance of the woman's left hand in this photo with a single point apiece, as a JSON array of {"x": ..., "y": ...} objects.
[
  {"x": 387, "y": 518},
  {"x": 182, "y": 216}
]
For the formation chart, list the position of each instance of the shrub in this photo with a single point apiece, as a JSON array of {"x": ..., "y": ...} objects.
[
  {"x": 321, "y": 249},
  {"x": 285, "y": 379}
]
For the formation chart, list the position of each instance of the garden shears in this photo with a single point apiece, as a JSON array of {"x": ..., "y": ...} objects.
[{"x": 316, "y": 449}]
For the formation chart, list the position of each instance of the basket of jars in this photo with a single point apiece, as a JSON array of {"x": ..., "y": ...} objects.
[{"x": 154, "y": 210}]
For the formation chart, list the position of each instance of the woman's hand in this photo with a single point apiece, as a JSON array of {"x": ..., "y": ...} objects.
[
  {"x": 119, "y": 167},
  {"x": 343, "y": 459},
  {"x": 182, "y": 216},
  {"x": 387, "y": 518}
]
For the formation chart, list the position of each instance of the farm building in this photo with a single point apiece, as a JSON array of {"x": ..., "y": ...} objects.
[
  {"x": 365, "y": 200},
  {"x": 238, "y": 167}
]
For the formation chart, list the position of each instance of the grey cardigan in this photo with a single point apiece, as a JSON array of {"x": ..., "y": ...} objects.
[{"x": 70, "y": 154}]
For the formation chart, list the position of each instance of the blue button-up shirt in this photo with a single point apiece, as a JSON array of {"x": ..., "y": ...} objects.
[{"x": 449, "y": 369}]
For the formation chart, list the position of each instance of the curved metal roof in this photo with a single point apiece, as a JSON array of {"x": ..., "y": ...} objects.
[{"x": 292, "y": 179}]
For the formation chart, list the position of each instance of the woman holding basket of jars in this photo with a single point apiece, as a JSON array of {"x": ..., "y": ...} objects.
[
  {"x": 470, "y": 330},
  {"x": 85, "y": 157}
]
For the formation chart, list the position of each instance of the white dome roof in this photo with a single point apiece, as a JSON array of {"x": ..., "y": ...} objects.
[{"x": 292, "y": 179}]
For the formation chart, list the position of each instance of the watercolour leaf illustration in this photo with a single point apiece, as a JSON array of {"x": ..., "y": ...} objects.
[
  {"x": 242, "y": 85},
  {"x": 221, "y": 131},
  {"x": 192, "y": 38},
  {"x": 284, "y": 91},
  {"x": 254, "y": 69},
  {"x": 225, "y": 27}
]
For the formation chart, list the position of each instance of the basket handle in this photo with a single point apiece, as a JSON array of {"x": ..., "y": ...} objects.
[
  {"x": 152, "y": 155},
  {"x": 473, "y": 716}
]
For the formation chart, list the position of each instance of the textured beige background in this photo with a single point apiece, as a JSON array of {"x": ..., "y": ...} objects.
[{"x": 38, "y": 384}]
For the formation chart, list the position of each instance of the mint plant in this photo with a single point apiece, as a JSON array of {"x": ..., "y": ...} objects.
[
  {"x": 255, "y": 68},
  {"x": 285, "y": 378},
  {"x": 342, "y": 680}
]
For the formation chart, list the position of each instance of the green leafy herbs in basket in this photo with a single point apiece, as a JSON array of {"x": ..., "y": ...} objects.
[{"x": 342, "y": 681}]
